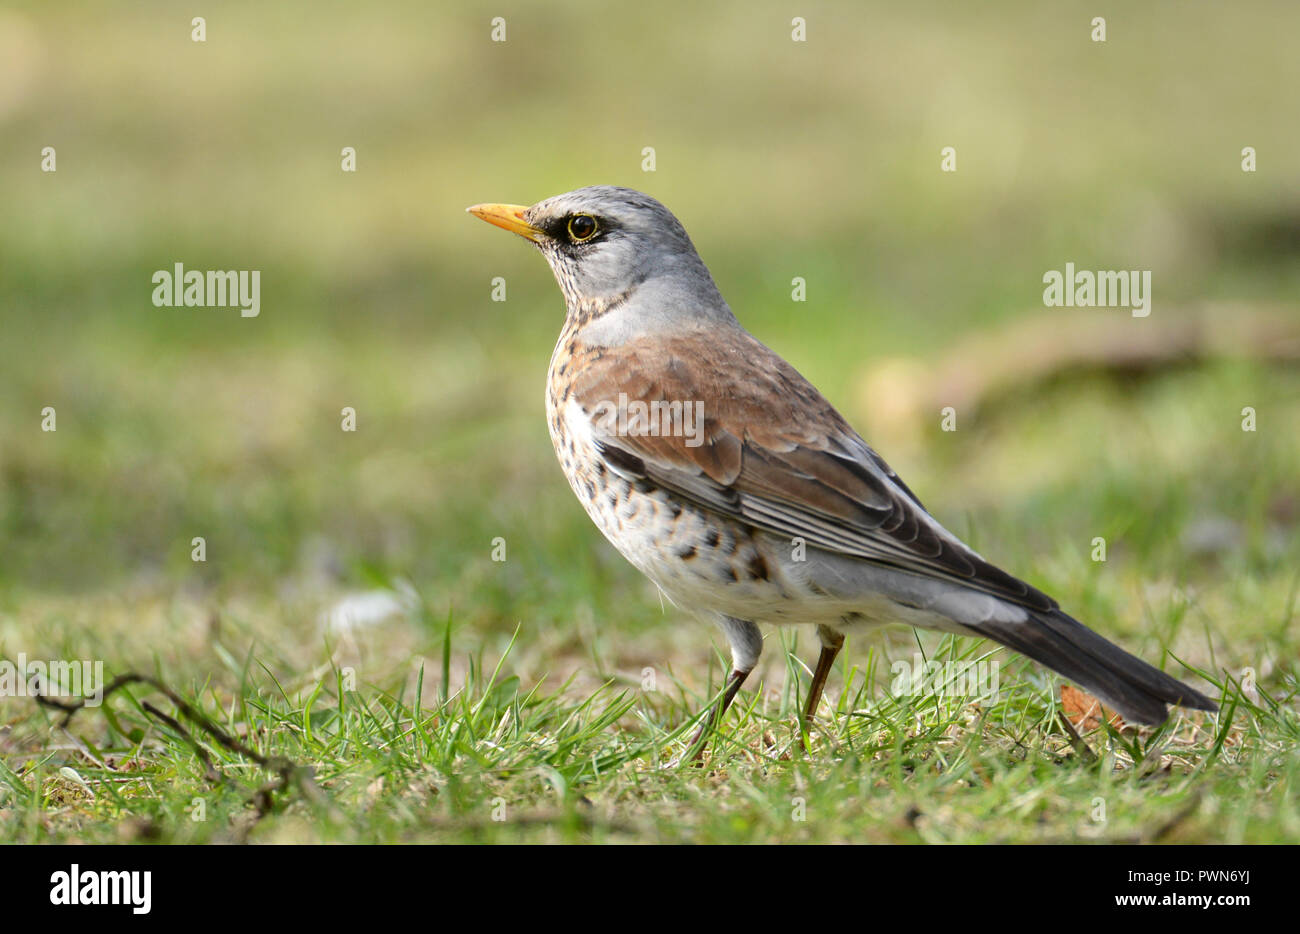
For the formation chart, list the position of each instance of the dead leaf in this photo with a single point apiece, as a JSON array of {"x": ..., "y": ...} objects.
[{"x": 1085, "y": 712}]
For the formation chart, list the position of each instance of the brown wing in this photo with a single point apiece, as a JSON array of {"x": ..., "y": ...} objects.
[{"x": 774, "y": 454}]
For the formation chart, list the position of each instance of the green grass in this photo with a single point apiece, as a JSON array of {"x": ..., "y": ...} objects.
[
  {"x": 540, "y": 704},
  {"x": 177, "y": 423},
  {"x": 500, "y": 760}
]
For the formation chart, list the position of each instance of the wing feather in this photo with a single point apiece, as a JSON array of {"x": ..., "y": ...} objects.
[{"x": 773, "y": 453}]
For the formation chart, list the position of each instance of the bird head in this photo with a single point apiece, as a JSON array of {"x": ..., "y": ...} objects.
[{"x": 613, "y": 248}]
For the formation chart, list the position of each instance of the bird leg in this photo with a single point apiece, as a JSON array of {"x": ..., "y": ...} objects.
[
  {"x": 832, "y": 642},
  {"x": 713, "y": 719}
]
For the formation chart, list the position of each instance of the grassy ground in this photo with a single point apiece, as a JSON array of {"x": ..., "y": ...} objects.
[{"x": 553, "y": 689}]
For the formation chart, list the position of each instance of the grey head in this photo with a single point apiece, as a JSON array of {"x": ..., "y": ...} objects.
[{"x": 625, "y": 264}]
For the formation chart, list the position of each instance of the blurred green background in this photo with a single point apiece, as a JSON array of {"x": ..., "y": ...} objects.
[{"x": 783, "y": 159}]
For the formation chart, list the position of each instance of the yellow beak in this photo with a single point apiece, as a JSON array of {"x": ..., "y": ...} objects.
[{"x": 508, "y": 217}]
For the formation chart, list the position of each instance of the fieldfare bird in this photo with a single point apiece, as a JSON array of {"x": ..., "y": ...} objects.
[{"x": 720, "y": 473}]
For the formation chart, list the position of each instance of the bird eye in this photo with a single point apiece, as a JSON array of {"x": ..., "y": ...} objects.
[{"x": 582, "y": 227}]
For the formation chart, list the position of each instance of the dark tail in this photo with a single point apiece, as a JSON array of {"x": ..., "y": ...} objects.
[{"x": 1122, "y": 681}]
